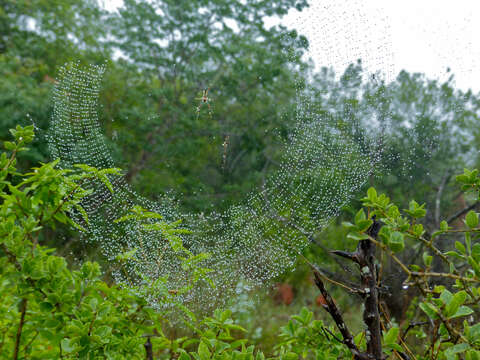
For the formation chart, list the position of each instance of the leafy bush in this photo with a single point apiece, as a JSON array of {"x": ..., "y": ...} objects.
[
  {"x": 48, "y": 311},
  {"x": 447, "y": 292}
]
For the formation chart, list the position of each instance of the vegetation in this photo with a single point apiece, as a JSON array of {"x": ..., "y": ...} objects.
[
  {"x": 420, "y": 295},
  {"x": 50, "y": 311}
]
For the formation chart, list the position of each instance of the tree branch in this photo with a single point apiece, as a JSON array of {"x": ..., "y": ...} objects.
[
  {"x": 23, "y": 310},
  {"x": 332, "y": 309},
  {"x": 365, "y": 254},
  {"x": 462, "y": 212}
]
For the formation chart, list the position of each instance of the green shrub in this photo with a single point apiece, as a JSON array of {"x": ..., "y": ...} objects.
[{"x": 49, "y": 311}]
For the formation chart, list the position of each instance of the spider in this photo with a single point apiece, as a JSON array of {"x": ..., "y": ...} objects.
[
  {"x": 204, "y": 100},
  {"x": 225, "y": 147}
]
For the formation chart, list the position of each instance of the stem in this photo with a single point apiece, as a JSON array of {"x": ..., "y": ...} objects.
[
  {"x": 444, "y": 275},
  {"x": 14, "y": 152},
  {"x": 23, "y": 310},
  {"x": 148, "y": 349},
  {"x": 368, "y": 273},
  {"x": 30, "y": 342},
  {"x": 334, "y": 312}
]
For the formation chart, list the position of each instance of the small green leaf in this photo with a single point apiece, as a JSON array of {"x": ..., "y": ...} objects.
[
  {"x": 203, "y": 351},
  {"x": 462, "y": 311},
  {"x": 67, "y": 345},
  {"x": 372, "y": 194},
  {"x": 360, "y": 216},
  {"x": 8, "y": 145},
  {"x": 471, "y": 219},
  {"x": 396, "y": 241},
  {"x": 427, "y": 259},
  {"x": 474, "y": 264},
  {"x": 444, "y": 226},
  {"x": 355, "y": 235},
  {"x": 460, "y": 247},
  {"x": 429, "y": 309},
  {"x": 391, "y": 336},
  {"x": 290, "y": 356},
  {"x": 103, "y": 331}
]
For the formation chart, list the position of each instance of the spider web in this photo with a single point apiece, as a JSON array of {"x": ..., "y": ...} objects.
[{"x": 323, "y": 162}]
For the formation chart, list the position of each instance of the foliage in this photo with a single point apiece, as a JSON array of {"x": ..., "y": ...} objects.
[
  {"x": 446, "y": 283},
  {"x": 308, "y": 338},
  {"x": 49, "y": 311},
  {"x": 180, "y": 150}
]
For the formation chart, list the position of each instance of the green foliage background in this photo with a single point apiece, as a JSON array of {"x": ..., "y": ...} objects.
[{"x": 169, "y": 53}]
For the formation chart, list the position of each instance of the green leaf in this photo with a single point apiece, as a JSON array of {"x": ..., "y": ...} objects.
[
  {"x": 363, "y": 225},
  {"x": 444, "y": 226},
  {"x": 391, "y": 336},
  {"x": 462, "y": 311},
  {"x": 8, "y": 145},
  {"x": 360, "y": 216},
  {"x": 184, "y": 356},
  {"x": 456, "y": 349},
  {"x": 460, "y": 247},
  {"x": 355, "y": 235},
  {"x": 453, "y": 302},
  {"x": 347, "y": 224},
  {"x": 396, "y": 241},
  {"x": 454, "y": 254},
  {"x": 46, "y": 306},
  {"x": 474, "y": 265},
  {"x": 446, "y": 296},
  {"x": 471, "y": 219},
  {"x": 476, "y": 252},
  {"x": 260, "y": 356},
  {"x": 372, "y": 194},
  {"x": 67, "y": 345},
  {"x": 103, "y": 331},
  {"x": 203, "y": 351},
  {"x": 429, "y": 309},
  {"x": 427, "y": 259}
]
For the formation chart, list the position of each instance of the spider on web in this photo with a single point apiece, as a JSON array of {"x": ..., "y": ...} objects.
[{"x": 204, "y": 100}]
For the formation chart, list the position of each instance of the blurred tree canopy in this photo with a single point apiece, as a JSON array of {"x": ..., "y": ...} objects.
[{"x": 163, "y": 55}]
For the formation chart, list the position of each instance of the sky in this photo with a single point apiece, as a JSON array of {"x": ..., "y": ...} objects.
[{"x": 425, "y": 36}]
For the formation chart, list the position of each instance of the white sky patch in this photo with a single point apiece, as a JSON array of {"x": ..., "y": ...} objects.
[{"x": 416, "y": 35}]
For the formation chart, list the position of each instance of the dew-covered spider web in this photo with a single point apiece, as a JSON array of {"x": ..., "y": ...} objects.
[
  {"x": 333, "y": 148},
  {"x": 324, "y": 161}
]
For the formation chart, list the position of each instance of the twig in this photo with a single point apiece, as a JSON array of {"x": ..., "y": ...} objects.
[
  {"x": 332, "y": 309},
  {"x": 326, "y": 278},
  {"x": 463, "y": 211},
  {"x": 444, "y": 275},
  {"x": 365, "y": 255},
  {"x": 31, "y": 341},
  {"x": 23, "y": 310},
  {"x": 149, "y": 349},
  {"x": 411, "y": 326},
  {"x": 325, "y": 330}
]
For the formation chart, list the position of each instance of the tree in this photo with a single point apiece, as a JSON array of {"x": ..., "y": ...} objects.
[{"x": 180, "y": 51}]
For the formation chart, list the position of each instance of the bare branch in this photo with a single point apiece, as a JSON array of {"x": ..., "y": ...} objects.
[
  {"x": 462, "y": 212},
  {"x": 334, "y": 312}
]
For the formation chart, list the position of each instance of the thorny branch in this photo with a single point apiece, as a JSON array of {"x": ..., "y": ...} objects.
[
  {"x": 364, "y": 256},
  {"x": 334, "y": 312}
]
